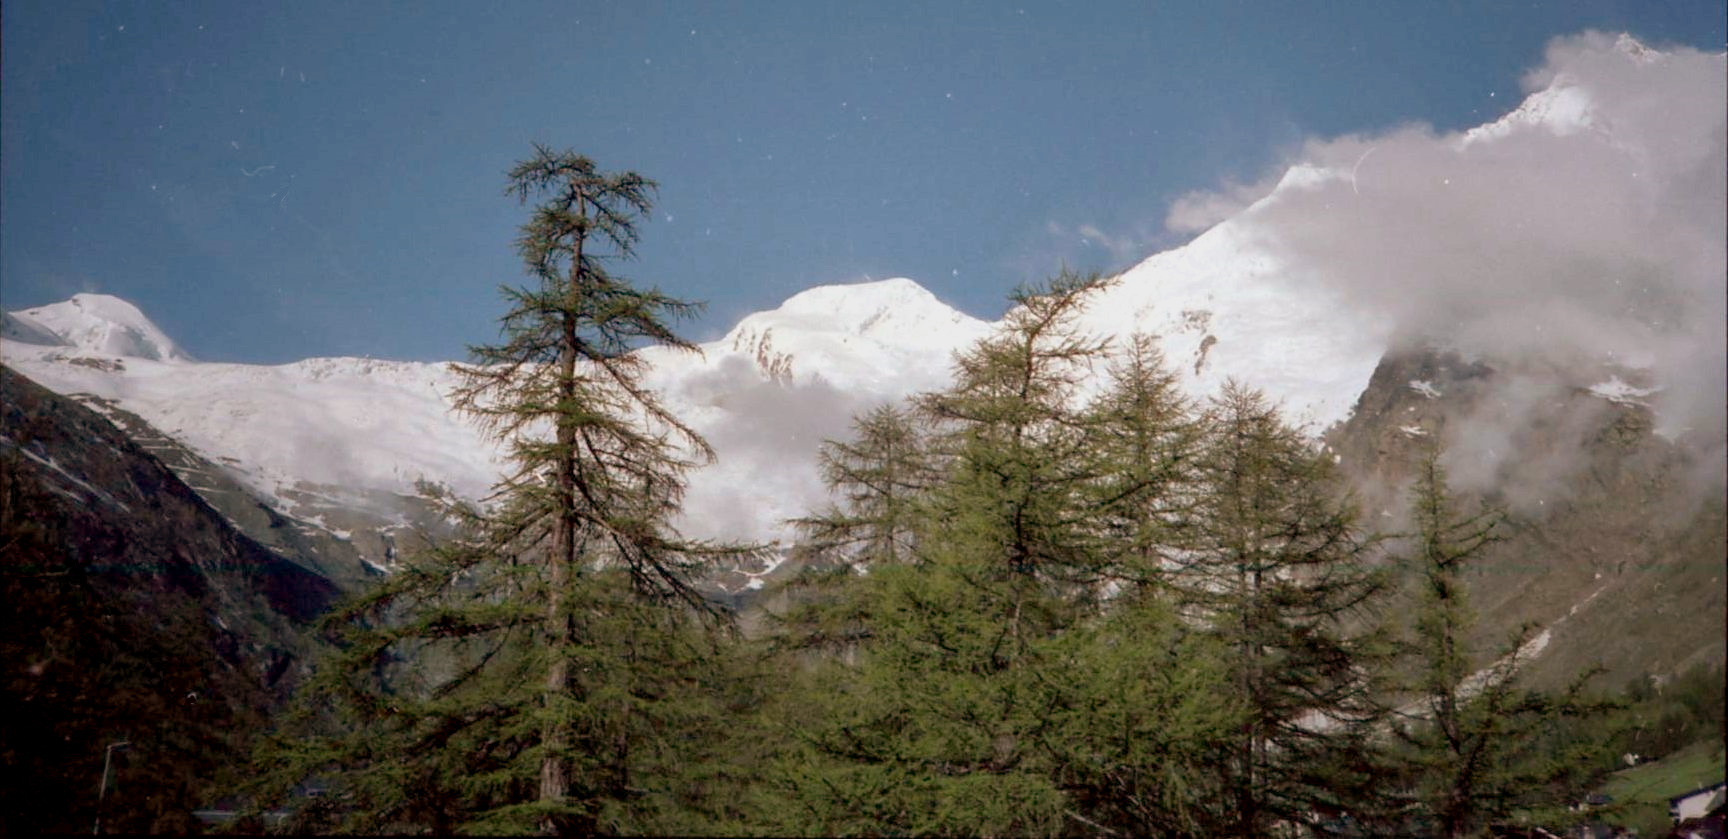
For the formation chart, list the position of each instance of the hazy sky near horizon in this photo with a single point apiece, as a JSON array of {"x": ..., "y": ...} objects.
[{"x": 276, "y": 181}]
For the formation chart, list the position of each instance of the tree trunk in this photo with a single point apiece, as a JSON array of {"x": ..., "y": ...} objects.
[{"x": 561, "y": 560}]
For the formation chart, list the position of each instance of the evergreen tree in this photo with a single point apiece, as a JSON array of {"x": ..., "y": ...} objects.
[
  {"x": 878, "y": 475},
  {"x": 1148, "y": 437},
  {"x": 1149, "y": 723},
  {"x": 926, "y": 730},
  {"x": 1277, "y": 570},
  {"x": 1018, "y": 449},
  {"x": 993, "y": 692},
  {"x": 1478, "y": 746},
  {"x": 539, "y": 671}
]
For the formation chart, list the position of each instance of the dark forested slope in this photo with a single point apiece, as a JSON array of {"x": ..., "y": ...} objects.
[{"x": 133, "y": 613}]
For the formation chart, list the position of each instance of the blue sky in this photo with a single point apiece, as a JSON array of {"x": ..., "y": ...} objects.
[{"x": 272, "y": 181}]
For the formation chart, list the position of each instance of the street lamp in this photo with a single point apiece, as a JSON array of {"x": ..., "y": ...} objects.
[{"x": 107, "y": 757}]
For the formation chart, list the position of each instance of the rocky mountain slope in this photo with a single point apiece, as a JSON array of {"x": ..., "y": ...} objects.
[
  {"x": 134, "y": 613},
  {"x": 1614, "y": 535}
]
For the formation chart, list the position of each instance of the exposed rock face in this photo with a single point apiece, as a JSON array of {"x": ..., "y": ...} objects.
[
  {"x": 312, "y": 548},
  {"x": 134, "y": 612},
  {"x": 1616, "y": 536}
]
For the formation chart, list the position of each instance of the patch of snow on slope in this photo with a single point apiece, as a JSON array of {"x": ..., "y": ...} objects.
[
  {"x": 1527, "y": 651},
  {"x": 73, "y": 479},
  {"x": 1619, "y": 392},
  {"x": 1426, "y": 388}
]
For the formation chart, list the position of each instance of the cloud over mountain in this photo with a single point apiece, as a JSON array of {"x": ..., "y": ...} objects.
[{"x": 1587, "y": 224}]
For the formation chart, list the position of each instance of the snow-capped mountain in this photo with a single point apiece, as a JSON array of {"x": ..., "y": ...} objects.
[
  {"x": 353, "y": 433},
  {"x": 875, "y": 337},
  {"x": 769, "y": 392},
  {"x": 1563, "y": 106},
  {"x": 346, "y": 431},
  {"x": 97, "y": 323},
  {"x": 319, "y": 425},
  {"x": 1223, "y": 307}
]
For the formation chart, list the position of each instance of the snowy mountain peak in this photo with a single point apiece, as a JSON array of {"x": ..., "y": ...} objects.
[
  {"x": 897, "y": 309},
  {"x": 1635, "y": 49},
  {"x": 1564, "y": 105},
  {"x": 853, "y": 334},
  {"x": 98, "y": 323},
  {"x": 895, "y": 289}
]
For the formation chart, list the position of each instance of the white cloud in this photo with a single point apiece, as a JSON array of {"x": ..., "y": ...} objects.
[
  {"x": 1589, "y": 224},
  {"x": 1196, "y": 211}
]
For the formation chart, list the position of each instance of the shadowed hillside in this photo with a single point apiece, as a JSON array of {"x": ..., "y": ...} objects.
[
  {"x": 134, "y": 613},
  {"x": 1615, "y": 534}
]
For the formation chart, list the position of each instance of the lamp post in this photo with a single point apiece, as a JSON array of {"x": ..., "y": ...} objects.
[{"x": 107, "y": 757}]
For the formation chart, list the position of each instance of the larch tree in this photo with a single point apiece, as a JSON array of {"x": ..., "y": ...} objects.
[
  {"x": 1150, "y": 437},
  {"x": 1016, "y": 444},
  {"x": 937, "y": 723},
  {"x": 1277, "y": 569},
  {"x": 531, "y": 673},
  {"x": 878, "y": 476},
  {"x": 993, "y": 691},
  {"x": 1476, "y": 744},
  {"x": 603, "y": 485}
]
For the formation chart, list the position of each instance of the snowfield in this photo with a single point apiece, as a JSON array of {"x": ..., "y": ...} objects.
[{"x": 766, "y": 395}]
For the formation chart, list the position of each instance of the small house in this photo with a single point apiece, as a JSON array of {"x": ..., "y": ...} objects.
[{"x": 1698, "y": 803}]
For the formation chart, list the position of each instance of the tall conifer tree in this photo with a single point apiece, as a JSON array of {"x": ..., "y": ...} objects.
[
  {"x": 1476, "y": 743},
  {"x": 528, "y": 674},
  {"x": 1017, "y": 445},
  {"x": 1277, "y": 569},
  {"x": 604, "y": 485},
  {"x": 992, "y": 692},
  {"x": 1148, "y": 440},
  {"x": 879, "y": 475}
]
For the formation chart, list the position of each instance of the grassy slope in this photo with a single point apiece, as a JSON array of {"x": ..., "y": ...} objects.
[{"x": 1641, "y": 793}]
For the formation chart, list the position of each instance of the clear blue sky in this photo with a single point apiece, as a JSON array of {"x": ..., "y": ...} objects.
[{"x": 271, "y": 181}]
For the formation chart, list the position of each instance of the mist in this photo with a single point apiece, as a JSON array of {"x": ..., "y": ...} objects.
[
  {"x": 767, "y": 436},
  {"x": 1581, "y": 237},
  {"x": 1585, "y": 231}
]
